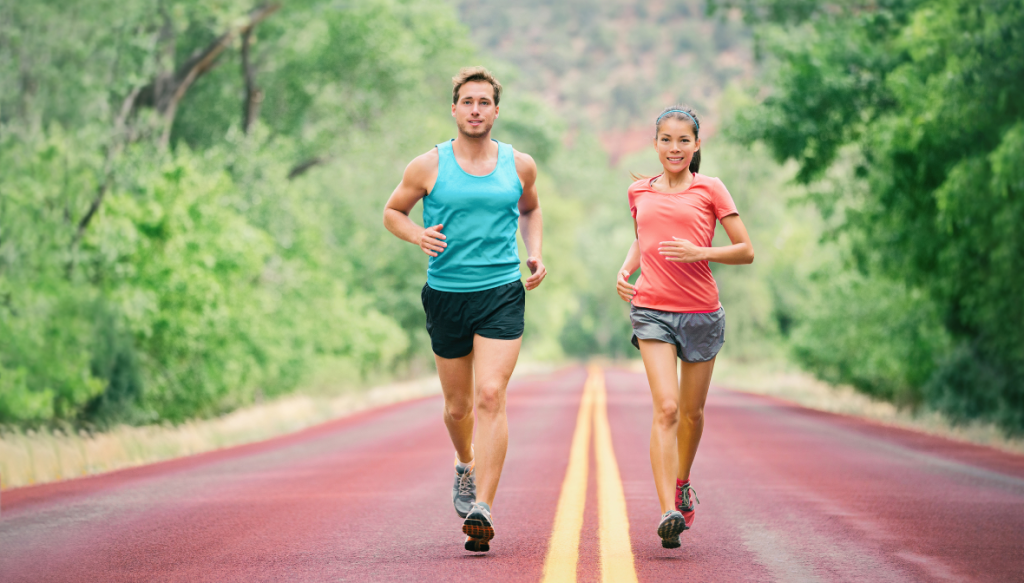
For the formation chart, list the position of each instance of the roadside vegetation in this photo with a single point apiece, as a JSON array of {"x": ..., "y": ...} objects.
[
  {"x": 191, "y": 192},
  {"x": 189, "y": 204},
  {"x": 905, "y": 121},
  {"x": 875, "y": 149}
]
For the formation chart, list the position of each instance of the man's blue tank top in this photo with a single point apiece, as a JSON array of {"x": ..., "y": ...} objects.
[{"x": 480, "y": 215}]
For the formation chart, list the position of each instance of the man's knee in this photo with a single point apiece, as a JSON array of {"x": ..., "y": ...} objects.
[
  {"x": 490, "y": 397},
  {"x": 458, "y": 409}
]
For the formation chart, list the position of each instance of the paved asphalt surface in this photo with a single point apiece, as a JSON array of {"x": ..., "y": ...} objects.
[{"x": 787, "y": 494}]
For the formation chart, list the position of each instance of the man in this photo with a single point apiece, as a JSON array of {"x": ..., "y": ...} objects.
[{"x": 475, "y": 193}]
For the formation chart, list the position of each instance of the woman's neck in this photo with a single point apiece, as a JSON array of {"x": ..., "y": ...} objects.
[{"x": 675, "y": 181}]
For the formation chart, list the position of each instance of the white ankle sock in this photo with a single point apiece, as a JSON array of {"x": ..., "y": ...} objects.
[{"x": 463, "y": 465}]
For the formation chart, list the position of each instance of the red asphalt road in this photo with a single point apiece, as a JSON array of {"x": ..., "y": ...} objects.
[{"x": 788, "y": 494}]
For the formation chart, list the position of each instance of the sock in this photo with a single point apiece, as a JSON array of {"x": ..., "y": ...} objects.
[{"x": 465, "y": 465}]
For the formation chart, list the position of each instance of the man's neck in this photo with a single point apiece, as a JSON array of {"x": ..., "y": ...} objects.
[{"x": 470, "y": 148}]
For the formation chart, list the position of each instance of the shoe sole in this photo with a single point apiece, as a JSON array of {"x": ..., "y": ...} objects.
[
  {"x": 477, "y": 545},
  {"x": 478, "y": 528},
  {"x": 669, "y": 532}
]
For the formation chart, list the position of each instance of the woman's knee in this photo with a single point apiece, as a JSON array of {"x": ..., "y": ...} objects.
[
  {"x": 667, "y": 412},
  {"x": 694, "y": 417}
]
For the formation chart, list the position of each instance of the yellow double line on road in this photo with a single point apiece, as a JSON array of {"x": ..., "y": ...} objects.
[{"x": 613, "y": 524}]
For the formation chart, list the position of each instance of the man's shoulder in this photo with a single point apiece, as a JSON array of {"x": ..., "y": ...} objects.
[
  {"x": 525, "y": 164},
  {"x": 426, "y": 160},
  {"x": 423, "y": 165}
]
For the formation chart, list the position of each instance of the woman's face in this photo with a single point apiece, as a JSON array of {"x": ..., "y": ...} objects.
[{"x": 676, "y": 144}]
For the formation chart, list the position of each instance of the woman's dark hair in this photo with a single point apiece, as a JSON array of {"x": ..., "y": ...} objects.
[{"x": 687, "y": 114}]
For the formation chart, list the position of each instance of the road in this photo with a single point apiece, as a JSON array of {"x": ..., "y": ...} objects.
[{"x": 787, "y": 494}]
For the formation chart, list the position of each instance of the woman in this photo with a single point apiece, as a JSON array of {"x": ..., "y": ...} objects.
[{"x": 675, "y": 309}]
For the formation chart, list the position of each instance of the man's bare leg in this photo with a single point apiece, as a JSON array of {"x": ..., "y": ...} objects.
[
  {"x": 456, "y": 376},
  {"x": 494, "y": 361}
]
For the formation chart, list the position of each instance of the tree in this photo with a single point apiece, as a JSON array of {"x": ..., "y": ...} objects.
[{"x": 927, "y": 93}]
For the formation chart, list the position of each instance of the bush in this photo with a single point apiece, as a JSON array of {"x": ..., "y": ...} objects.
[
  {"x": 966, "y": 387},
  {"x": 874, "y": 334}
]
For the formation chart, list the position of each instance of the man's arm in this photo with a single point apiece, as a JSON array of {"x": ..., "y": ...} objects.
[
  {"x": 531, "y": 222},
  {"x": 419, "y": 177}
]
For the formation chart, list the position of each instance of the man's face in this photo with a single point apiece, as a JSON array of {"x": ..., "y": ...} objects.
[{"x": 475, "y": 111}]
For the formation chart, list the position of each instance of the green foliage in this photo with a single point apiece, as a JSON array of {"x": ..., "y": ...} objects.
[
  {"x": 588, "y": 230},
  {"x": 874, "y": 334},
  {"x": 925, "y": 90},
  {"x": 214, "y": 271},
  {"x": 226, "y": 264}
]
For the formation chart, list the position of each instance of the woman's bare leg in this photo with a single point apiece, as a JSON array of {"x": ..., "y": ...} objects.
[
  {"x": 694, "y": 381},
  {"x": 660, "y": 361}
]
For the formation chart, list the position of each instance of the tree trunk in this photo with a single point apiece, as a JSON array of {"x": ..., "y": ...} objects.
[
  {"x": 117, "y": 141},
  {"x": 253, "y": 94},
  {"x": 303, "y": 167},
  {"x": 167, "y": 90}
]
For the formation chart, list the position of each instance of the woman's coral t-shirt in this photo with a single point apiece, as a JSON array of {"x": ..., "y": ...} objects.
[{"x": 666, "y": 285}]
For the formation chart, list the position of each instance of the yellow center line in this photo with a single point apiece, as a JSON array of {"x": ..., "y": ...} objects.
[
  {"x": 616, "y": 551},
  {"x": 613, "y": 523},
  {"x": 563, "y": 550}
]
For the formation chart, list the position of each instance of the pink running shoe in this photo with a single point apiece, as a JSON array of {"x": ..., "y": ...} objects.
[{"x": 685, "y": 498}]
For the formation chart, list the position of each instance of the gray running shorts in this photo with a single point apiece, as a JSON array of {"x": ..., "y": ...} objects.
[{"x": 698, "y": 337}]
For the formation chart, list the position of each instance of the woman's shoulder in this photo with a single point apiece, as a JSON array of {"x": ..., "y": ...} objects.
[
  {"x": 711, "y": 182},
  {"x": 639, "y": 183},
  {"x": 642, "y": 183}
]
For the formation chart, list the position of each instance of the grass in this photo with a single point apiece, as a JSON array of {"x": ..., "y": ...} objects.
[
  {"x": 37, "y": 457},
  {"x": 784, "y": 381}
]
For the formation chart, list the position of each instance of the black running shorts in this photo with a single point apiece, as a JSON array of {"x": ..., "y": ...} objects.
[{"x": 453, "y": 318}]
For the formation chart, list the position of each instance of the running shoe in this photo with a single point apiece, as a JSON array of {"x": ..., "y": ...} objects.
[
  {"x": 464, "y": 490},
  {"x": 686, "y": 496},
  {"x": 477, "y": 545},
  {"x": 669, "y": 528},
  {"x": 479, "y": 527}
]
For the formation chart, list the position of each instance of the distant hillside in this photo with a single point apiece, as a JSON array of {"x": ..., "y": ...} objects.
[{"x": 613, "y": 64}]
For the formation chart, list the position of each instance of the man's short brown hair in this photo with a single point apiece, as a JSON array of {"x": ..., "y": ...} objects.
[{"x": 467, "y": 74}]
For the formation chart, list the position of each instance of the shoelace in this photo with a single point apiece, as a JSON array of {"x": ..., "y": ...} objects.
[
  {"x": 684, "y": 495},
  {"x": 465, "y": 483}
]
